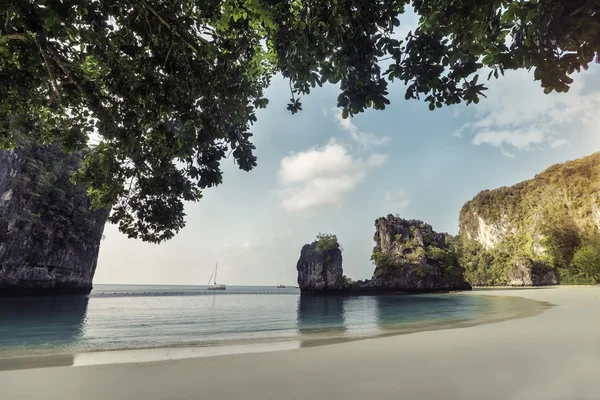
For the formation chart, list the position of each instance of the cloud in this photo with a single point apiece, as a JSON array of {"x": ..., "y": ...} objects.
[
  {"x": 518, "y": 116},
  {"x": 363, "y": 139},
  {"x": 398, "y": 199},
  {"x": 322, "y": 176},
  {"x": 520, "y": 140},
  {"x": 559, "y": 143}
]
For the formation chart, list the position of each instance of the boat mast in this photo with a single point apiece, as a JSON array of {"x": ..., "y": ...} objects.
[
  {"x": 216, "y": 266},
  {"x": 210, "y": 279}
]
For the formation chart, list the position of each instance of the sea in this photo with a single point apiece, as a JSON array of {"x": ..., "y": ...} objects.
[{"x": 125, "y": 317}]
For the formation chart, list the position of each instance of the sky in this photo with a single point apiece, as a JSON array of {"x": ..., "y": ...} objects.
[{"x": 320, "y": 173}]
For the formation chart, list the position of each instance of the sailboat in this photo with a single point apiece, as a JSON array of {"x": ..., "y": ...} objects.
[
  {"x": 279, "y": 285},
  {"x": 215, "y": 285}
]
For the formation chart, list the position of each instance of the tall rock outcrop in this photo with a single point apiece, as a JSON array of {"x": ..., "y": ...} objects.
[
  {"x": 320, "y": 270},
  {"x": 410, "y": 256},
  {"x": 49, "y": 239},
  {"x": 527, "y": 234}
]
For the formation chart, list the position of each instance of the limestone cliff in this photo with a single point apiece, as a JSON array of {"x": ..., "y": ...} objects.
[
  {"x": 410, "y": 256},
  {"x": 320, "y": 269},
  {"x": 527, "y": 234},
  {"x": 49, "y": 239}
]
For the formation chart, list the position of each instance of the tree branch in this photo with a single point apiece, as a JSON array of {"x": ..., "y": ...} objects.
[
  {"x": 17, "y": 36},
  {"x": 7, "y": 20},
  {"x": 95, "y": 103},
  {"x": 173, "y": 30},
  {"x": 53, "y": 82}
]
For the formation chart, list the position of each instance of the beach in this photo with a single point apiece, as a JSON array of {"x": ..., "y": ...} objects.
[{"x": 553, "y": 354}]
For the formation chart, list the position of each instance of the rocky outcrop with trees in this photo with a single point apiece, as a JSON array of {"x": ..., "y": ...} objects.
[
  {"x": 542, "y": 231},
  {"x": 49, "y": 237},
  {"x": 409, "y": 257},
  {"x": 320, "y": 266}
]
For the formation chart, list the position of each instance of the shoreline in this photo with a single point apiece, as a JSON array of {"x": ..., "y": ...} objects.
[
  {"x": 179, "y": 351},
  {"x": 552, "y": 355}
]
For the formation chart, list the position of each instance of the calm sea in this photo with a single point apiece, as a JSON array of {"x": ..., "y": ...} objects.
[{"x": 130, "y": 317}]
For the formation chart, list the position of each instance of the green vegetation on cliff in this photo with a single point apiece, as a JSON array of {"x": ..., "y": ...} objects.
[
  {"x": 44, "y": 200},
  {"x": 326, "y": 241},
  {"x": 586, "y": 262},
  {"x": 405, "y": 247},
  {"x": 537, "y": 226}
]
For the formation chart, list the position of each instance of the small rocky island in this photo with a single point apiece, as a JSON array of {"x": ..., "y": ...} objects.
[
  {"x": 49, "y": 238},
  {"x": 409, "y": 257}
]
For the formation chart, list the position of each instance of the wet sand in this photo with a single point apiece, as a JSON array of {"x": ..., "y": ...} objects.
[{"x": 553, "y": 353}]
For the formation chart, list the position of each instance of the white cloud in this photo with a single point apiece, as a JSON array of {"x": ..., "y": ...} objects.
[
  {"x": 518, "y": 116},
  {"x": 559, "y": 143},
  {"x": 322, "y": 176},
  {"x": 520, "y": 140},
  {"x": 364, "y": 139},
  {"x": 398, "y": 199}
]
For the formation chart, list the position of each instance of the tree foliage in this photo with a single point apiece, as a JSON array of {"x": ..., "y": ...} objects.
[
  {"x": 561, "y": 239},
  {"x": 586, "y": 262},
  {"x": 170, "y": 88},
  {"x": 44, "y": 205},
  {"x": 326, "y": 241}
]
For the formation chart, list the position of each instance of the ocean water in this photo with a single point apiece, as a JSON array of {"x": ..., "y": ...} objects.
[{"x": 117, "y": 317}]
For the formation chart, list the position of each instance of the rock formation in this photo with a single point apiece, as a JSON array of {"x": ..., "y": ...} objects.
[
  {"x": 409, "y": 258},
  {"x": 526, "y": 272},
  {"x": 49, "y": 239},
  {"x": 527, "y": 234},
  {"x": 320, "y": 270}
]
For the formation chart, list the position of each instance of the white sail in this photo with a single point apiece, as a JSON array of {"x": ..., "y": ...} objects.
[{"x": 215, "y": 285}]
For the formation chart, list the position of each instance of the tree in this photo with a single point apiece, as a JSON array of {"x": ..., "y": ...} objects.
[
  {"x": 586, "y": 262},
  {"x": 170, "y": 88},
  {"x": 560, "y": 237},
  {"x": 326, "y": 241}
]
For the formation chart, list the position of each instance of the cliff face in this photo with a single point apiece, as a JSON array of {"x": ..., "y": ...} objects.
[
  {"x": 49, "y": 239},
  {"x": 320, "y": 270},
  {"x": 527, "y": 234},
  {"x": 410, "y": 256}
]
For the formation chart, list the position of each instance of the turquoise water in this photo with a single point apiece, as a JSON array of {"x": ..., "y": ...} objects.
[{"x": 128, "y": 317}]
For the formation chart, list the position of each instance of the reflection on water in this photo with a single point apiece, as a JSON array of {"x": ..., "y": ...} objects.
[
  {"x": 393, "y": 310},
  {"x": 165, "y": 318},
  {"x": 47, "y": 321},
  {"x": 373, "y": 314},
  {"x": 318, "y": 313},
  {"x": 333, "y": 319}
]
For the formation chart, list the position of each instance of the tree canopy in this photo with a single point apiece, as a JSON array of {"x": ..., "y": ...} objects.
[
  {"x": 171, "y": 87},
  {"x": 327, "y": 241}
]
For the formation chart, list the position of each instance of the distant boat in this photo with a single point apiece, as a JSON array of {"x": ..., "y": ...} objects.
[
  {"x": 297, "y": 287},
  {"x": 215, "y": 285},
  {"x": 279, "y": 285}
]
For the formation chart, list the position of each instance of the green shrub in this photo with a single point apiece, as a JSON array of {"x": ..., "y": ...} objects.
[
  {"x": 327, "y": 241},
  {"x": 561, "y": 239},
  {"x": 384, "y": 264},
  {"x": 586, "y": 263}
]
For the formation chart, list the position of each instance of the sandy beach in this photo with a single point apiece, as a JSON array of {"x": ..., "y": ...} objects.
[{"x": 552, "y": 355}]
